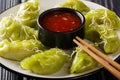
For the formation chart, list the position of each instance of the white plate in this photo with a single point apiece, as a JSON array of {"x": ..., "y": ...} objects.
[{"x": 63, "y": 73}]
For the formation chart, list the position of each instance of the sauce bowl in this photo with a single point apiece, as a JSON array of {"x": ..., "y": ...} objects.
[{"x": 58, "y": 26}]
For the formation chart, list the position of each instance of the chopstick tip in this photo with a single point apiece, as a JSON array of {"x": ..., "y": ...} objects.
[{"x": 73, "y": 40}]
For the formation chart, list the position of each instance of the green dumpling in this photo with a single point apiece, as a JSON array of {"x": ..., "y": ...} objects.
[
  {"x": 102, "y": 16},
  {"x": 82, "y": 62},
  {"x": 104, "y": 35},
  {"x": 47, "y": 62},
  {"x": 110, "y": 39},
  {"x": 18, "y": 50},
  {"x": 28, "y": 13},
  {"x": 100, "y": 28},
  {"x": 75, "y": 4},
  {"x": 11, "y": 30}
]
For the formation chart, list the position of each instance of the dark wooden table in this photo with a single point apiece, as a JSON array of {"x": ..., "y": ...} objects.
[{"x": 102, "y": 74}]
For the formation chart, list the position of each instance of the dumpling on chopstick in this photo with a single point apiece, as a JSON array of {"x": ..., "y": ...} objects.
[
  {"x": 18, "y": 50},
  {"x": 11, "y": 30},
  {"x": 28, "y": 13},
  {"x": 82, "y": 62},
  {"x": 47, "y": 62},
  {"x": 75, "y": 4}
]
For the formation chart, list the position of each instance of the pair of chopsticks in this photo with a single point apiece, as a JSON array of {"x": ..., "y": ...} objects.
[{"x": 100, "y": 57}]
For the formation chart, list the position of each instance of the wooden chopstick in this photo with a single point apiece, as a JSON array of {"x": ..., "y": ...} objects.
[
  {"x": 112, "y": 62},
  {"x": 108, "y": 63}
]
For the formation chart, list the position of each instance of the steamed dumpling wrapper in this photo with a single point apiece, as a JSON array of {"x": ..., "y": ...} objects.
[
  {"x": 99, "y": 27},
  {"x": 104, "y": 35},
  {"x": 11, "y": 30},
  {"x": 28, "y": 13},
  {"x": 47, "y": 62},
  {"x": 82, "y": 62},
  {"x": 75, "y": 4},
  {"x": 102, "y": 16},
  {"x": 18, "y": 50}
]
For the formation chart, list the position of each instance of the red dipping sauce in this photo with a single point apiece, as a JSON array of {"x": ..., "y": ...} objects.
[{"x": 61, "y": 22}]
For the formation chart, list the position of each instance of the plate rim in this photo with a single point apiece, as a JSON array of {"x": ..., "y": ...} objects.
[{"x": 36, "y": 77}]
